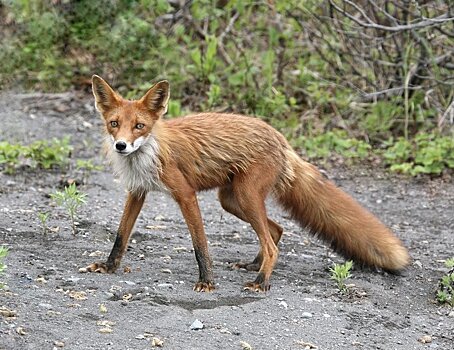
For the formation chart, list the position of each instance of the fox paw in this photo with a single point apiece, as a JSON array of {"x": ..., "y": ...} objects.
[
  {"x": 98, "y": 267},
  {"x": 257, "y": 287},
  {"x": 204, "y": 287},
  {"x": 261, "y": 284}
]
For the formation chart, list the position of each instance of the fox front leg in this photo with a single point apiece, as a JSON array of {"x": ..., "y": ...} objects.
[
  {"x": 186, "y": 198},
  {"x": 132, "y": 209}
]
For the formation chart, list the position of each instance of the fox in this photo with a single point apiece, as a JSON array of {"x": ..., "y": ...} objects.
[{"x": 246, "y": 160}]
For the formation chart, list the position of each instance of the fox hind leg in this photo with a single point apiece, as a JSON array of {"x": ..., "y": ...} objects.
[
  {"x": 230, "y": 204},
  {"x": 250, "y": 190}
]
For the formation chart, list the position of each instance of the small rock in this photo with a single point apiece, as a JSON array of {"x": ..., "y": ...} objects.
[
  {"x": 102, "y": 308},
  {"x": 306, "y": 315},
  {"x": 159, "y": 217},
  {"x": 73, "y": 279},
  {"x": 21, "y": 331},
  {"x": 105, "y": 330},
  {"x": 180, "y": 249},
  {"x": 306, "y": 345},
  {"x": 59, "y": 343},
  {"x": 425, "y": 339},
  {"x": 45, "y": 306},
  {"x": 418, "y": 263},
  {"x": 166, "y": 271},
  {"x": 451, "y": 314},
  {"x": 129, "y": 283},
  {"x": 283, "y": 304},
  {"x": 156, "y": 342},
  {"x": 196, "y": 325},
  {"x": 245, "y": 346},
  {"x": 165, "y": 285},
  {"x": 96, "y": 253},
  {"x": 225, "y": 331},
  {"x": 126, "y": 297},
  {"x": 5, "y": 312}
]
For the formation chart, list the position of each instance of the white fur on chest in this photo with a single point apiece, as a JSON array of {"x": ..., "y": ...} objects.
[{"x": 140, "y": 170}]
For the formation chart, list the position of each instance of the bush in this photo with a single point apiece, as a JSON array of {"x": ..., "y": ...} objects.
[{"x": 301, "y": 65}]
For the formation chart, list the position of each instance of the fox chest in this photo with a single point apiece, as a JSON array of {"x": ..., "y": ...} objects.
[{"x": 140, "y": 172}]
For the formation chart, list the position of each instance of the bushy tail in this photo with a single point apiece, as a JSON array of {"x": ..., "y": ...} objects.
[{"x": 331, "y": 214}]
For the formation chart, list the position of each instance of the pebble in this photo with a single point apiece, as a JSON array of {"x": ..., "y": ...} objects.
[
  {"x": 283, "y": 304},
  {"x": 129, "y": 283},
  {"x": 165, "y": 285},
  {"x": 306, "y": 315},
  {"x": 196, "y": 325},
  {"x": 425, "y": 339}
]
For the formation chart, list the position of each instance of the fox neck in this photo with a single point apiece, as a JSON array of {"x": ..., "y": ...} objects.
[{"x": 140, "y": 170}]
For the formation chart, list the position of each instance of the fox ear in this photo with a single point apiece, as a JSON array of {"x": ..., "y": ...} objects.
[
  {"x": 106, "y": 98},
  {"x": 157, "y": 98}
]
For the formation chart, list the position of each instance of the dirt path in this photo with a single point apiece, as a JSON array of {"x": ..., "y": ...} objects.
[{"x": 56, "y": 306}]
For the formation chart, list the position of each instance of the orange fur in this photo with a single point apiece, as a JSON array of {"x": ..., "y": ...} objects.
[{"x": 247, "y": 160}]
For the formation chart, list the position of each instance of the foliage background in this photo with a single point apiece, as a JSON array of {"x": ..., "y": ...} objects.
[{"x": 364, "y": 79}]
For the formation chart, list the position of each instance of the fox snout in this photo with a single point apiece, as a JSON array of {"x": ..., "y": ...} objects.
[{"x": 123, "y": 147}]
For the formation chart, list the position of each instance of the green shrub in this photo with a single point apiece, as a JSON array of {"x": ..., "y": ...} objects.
[
  {"x": 445, "y": 291},
  {"x": 40, "y": 154},
  {"x": 425, "y": 154},
  {"x": 49, "y": 154},
  {"x": 290, "y": 62},
  {"x": 10, "y": 156}
]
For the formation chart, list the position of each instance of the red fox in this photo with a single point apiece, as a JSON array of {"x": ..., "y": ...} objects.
[{"x": 247, "y": 160}]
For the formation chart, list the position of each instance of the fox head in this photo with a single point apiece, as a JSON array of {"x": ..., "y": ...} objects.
[{"x": 129, "y": 123}]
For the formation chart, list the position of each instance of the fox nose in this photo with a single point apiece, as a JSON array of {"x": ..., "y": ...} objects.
[{"x": 120, "y": 145}]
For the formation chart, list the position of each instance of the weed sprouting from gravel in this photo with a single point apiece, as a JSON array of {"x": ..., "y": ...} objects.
[
  {"x": 43, "y": 217},
  {"x": 71, "y": 199},
  {"x": 340, "y": 273}
]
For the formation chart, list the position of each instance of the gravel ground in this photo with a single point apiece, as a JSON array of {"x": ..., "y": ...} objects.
[{"x": 47, "y": 304}]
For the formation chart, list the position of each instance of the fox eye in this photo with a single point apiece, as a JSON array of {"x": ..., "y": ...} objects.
[
  {"x": 113, "y": 123},
  {"x": 140, "y": 126}
]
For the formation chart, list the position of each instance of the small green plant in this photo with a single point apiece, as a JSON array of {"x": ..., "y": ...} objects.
[
  {"x": 43, "y": 217},
  {"x": 42, "y": 153},
  {"x": 49, "y": 154},
  {"x": 3, "y": 254},
  {"x": 340, "y": 273},
  {"x": 445, "y": 292},
  {"x": 71, "y": 199},
  {"x": 10, "y": 156}
]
